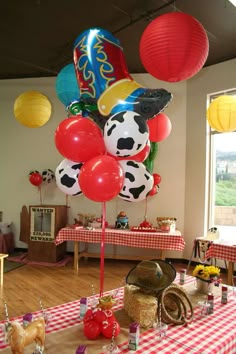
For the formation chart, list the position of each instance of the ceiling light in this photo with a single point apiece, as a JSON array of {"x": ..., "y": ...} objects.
[{"x": 233, "y": 2}]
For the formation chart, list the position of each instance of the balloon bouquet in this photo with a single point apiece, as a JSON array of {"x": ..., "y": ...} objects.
[
  {"x": 106, "y": 141},
  {"x": 107, "y": 136},
  {"x": 37, "y": 179},
  {"x": 109, "y": 141}
]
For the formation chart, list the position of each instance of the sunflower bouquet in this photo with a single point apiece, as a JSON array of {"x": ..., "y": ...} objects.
[{"x": 207, "y": 273}]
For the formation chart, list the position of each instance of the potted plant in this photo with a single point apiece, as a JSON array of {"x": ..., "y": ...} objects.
[{"x": 206, "y": 276}]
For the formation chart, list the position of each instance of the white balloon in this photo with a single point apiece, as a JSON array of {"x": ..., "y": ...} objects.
[
  {"x": 138, "y": 181},
  {"x": 66, "y": 174},
  {"x": 125, "y": 134}
]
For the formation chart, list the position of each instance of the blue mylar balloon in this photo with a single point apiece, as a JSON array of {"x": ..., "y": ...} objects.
[{"x": 67, "y": 88}]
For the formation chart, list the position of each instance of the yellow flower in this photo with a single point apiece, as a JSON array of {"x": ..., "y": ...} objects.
[{"x": 205, "y": 272}]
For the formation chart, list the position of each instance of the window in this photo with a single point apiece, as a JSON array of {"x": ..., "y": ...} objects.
[{"x": 222, "y": 178}]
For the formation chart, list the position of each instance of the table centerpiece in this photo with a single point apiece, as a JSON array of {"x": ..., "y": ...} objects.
[{"x": 207, "y": 276}]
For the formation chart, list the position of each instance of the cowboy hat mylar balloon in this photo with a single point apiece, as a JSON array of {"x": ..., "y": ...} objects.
[{"x": 105, "y": 83}]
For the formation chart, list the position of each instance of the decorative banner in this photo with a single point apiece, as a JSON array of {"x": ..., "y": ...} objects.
[
  {"x": 174, "y": 47},
  {"x": 32, "y": 109}
]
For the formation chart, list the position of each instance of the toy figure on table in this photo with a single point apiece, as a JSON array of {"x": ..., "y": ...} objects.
[
  {"x": 122, "y": 221},
  {"x": 20, "y": 337}
]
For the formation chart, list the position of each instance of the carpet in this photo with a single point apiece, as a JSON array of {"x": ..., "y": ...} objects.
[
  {"x": 8, "y": 265},
  {"x": 23, "y": 259}
]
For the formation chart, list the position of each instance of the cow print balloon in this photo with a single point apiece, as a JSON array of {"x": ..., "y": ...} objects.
[
  {"x": 138, "y": 181},
  {"x": 125, "y": 134},
  {"x": 33, "y": 171},
  {"x": 67, "y": 174},
  {"x": 48, "y": 176}
]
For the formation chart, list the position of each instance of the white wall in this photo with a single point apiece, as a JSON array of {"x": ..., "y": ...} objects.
[{"x": 180, "y": 160}]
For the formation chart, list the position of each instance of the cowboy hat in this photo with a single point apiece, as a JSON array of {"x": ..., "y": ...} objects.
[{"x": 155, "y": 275}]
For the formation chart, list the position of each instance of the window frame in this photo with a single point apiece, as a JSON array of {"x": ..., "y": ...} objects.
[{"x": 211, "y": 162}]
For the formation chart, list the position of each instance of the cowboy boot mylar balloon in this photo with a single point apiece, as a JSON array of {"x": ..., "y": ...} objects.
[{"x": 105, "y": 83}]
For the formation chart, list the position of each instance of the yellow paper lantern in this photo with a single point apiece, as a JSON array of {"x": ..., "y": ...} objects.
[
  {"x": 221, "y": 114},
  {"x": 32, "y": 109}
]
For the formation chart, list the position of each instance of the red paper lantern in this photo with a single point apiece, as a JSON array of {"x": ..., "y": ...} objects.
[{"x": 174, "y": 47}]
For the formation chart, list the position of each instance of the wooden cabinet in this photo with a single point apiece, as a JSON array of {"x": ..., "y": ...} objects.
[{"x": 45, "y": 222}]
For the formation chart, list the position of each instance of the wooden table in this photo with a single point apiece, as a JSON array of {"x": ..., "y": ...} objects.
[
  {"x": 145, "y": 240},
  {"x": 210, "y": 334},
  {"x": 225, "y": 250}
]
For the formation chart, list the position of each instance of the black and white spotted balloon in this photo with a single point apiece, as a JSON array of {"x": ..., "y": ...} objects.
[{"x": 67, "y": 173}]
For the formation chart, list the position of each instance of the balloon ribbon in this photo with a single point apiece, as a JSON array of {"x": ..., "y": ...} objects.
[{"x": 102, "y": 250}]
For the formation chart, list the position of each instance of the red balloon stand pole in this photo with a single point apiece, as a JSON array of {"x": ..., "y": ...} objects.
[{"x": 102, "y": 251}]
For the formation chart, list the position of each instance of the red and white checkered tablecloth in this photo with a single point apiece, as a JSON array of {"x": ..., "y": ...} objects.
[
  {"x": 65, "y": 315},
  {"x": 154, "y": 240},
  {"x": 222, "y": 251},
  {"x": 210, "y": 334}
]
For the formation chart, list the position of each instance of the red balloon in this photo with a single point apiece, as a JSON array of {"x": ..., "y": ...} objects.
[
  {"x": 153, "y": 191},
  {"x": 89, "y": 315},
  {"x": 142, "y": 155},
  {"x": 92, "y": 329},
  {"x": 100, "y": 316},
  {"x": 174, "y": 47},
  {"x": 156, "y": 179},
  {"x": 139, "y": 157},
  {"x": 101, "y": 178},
  {"x": 113, "y": 328},
  {"x": 79, "y": 139},
  {"x": 159, "y": 127},
  {"x": 36, "y": 179}
]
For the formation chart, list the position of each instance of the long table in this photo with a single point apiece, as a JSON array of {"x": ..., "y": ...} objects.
[
  {"x": 209, "y": 334},
  {"x": 152, "y": 240},
  {"x": 225, "y": 250}
]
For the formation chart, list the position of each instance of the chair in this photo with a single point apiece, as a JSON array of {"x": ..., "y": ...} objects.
[{"x": 200, "y": 248}]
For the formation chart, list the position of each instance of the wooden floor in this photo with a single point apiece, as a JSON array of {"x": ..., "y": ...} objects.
[{"x": 24, "y": 287}]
